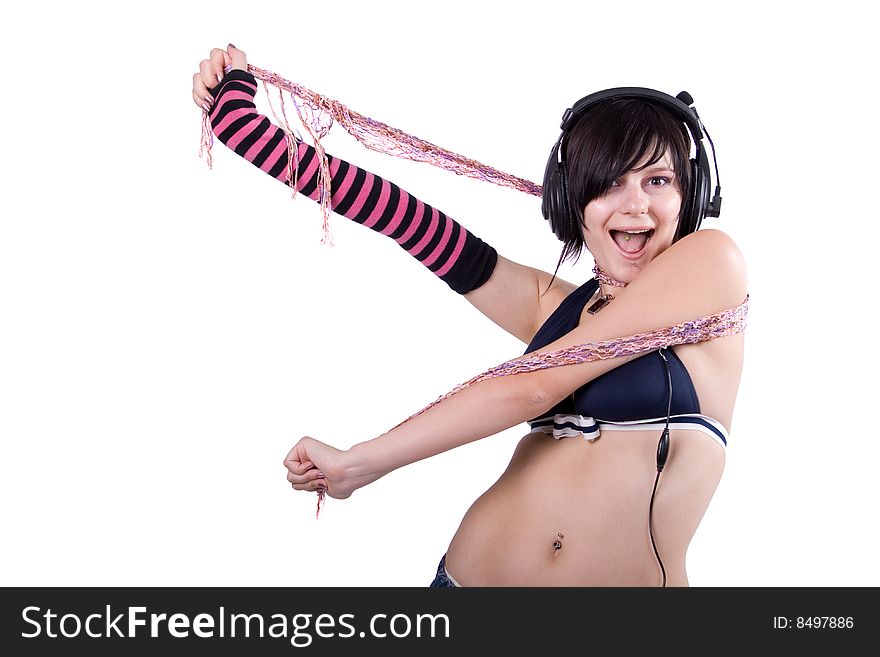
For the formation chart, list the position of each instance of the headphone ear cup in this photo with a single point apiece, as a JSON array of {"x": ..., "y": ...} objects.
[
  {"x": 702, "y": 188},
  {"x": 694, "y": 205},
  {"x": 686, "y": 223},
  {"x": 553, "y": 205}
]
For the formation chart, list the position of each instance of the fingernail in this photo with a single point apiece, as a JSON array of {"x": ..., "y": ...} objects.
[
  {"x": 320, "y": 475},
  {"x": 232, "y": 46},
  {"x": 205, "y": 107},
  {"x": 209, "y": 99}
]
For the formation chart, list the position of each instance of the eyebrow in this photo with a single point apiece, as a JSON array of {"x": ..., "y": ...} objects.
[{"x": 657, "y": 167}]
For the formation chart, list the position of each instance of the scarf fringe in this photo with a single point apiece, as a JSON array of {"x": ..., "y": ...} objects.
[
  {"x": 317, "y": 114},
  {"x": 207, "y": 141}
]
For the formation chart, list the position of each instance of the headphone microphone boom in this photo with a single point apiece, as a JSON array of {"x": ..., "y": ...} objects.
[{"x": 714, "y": 207}]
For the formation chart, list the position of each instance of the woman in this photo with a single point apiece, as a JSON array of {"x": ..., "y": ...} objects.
[{"x": 577, "y": 510}]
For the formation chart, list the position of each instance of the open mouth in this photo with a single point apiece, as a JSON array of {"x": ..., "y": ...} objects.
[{"x": 633, "y": 241}]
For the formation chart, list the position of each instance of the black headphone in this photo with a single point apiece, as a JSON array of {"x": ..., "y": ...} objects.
[{"x": 555, "y": 204}]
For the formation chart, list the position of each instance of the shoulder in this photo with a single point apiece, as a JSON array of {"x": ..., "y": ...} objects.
[
  {"x": 713, "y": 244},
  {"x": 710, "y": 262}
]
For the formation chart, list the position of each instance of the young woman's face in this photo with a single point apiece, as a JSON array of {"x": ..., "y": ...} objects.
[{"x": 635, "y": 220}]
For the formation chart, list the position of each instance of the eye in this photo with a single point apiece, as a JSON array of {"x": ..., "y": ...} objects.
[{"x": 658, "y": 181}]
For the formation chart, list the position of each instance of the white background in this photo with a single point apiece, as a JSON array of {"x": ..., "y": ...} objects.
[{"x": 167, "y": 332}]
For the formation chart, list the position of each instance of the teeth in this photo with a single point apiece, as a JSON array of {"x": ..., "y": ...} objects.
[{"x": 627, "y": 233}]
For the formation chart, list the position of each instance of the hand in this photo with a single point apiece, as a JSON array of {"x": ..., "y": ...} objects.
[
  {"x": 313, "y": 466},
  {"x": 211, "y": 71}
]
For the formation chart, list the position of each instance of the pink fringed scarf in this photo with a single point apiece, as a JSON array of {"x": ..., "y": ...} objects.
[{"x": 317, "y": 114}]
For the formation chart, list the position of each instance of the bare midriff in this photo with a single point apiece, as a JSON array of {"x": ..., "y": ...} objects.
[{"x": 596, "y": 495}]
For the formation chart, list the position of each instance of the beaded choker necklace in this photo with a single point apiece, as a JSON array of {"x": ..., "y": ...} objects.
[{"x": 603, "y": 299}]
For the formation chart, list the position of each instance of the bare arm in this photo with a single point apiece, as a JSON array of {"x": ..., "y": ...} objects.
[{"x": 517, "y": 298}]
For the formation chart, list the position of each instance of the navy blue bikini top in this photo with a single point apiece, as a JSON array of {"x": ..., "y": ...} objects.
[{"x": 636, "y": 390}]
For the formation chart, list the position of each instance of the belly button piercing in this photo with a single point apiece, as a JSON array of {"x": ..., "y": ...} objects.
[{"x": 557, "y": 544}]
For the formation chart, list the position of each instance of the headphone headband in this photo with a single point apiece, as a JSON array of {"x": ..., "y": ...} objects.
[{"x": 678, "y": 105}]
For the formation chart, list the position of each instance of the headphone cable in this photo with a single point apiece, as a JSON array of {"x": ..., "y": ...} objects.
[
  {"x": 662, "y": 454},
  {"x": 714, "y": 158},
  {"x": 651, "y": 524}
]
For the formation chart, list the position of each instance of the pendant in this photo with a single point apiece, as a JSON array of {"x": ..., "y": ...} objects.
[{"x": 599, "y": 304}]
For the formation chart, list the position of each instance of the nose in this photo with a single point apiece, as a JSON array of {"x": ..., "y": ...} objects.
[{"x": 634, "y": 200}]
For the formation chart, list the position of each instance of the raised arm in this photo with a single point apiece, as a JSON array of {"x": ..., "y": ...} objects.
[
  {"x": 700, "y": 275},
  {"x": 506, "y": 292}
]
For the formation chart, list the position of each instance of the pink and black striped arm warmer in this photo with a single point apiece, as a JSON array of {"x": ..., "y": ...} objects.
[{"x": 444, "y": 246}]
